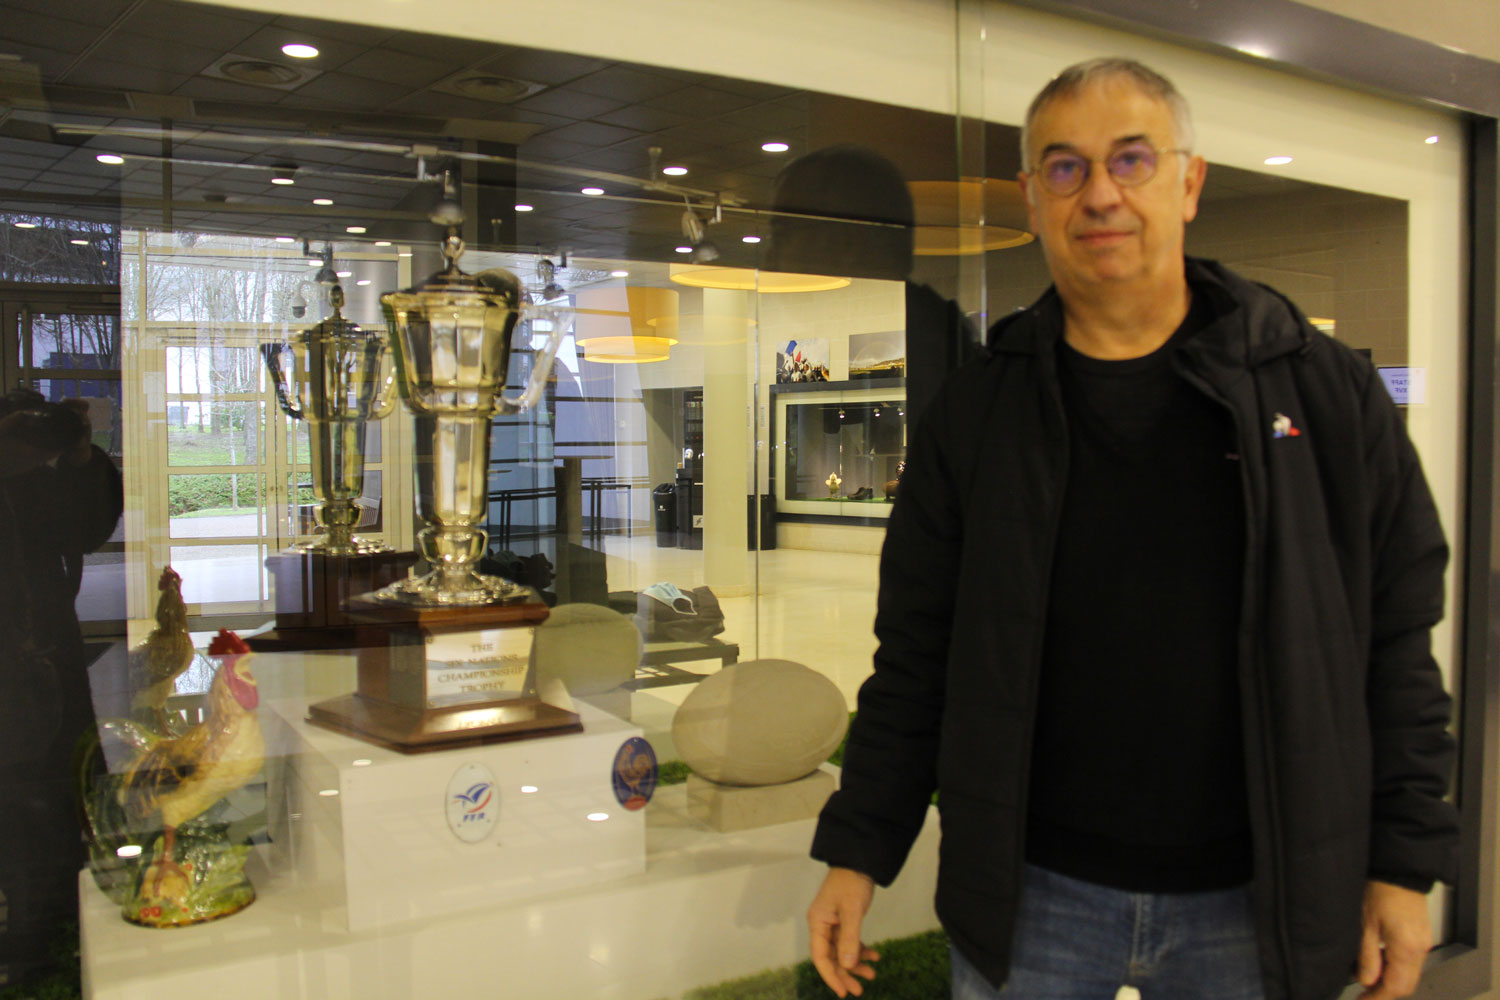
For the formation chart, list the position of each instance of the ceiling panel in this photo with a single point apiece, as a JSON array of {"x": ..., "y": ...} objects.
[
  {"x": 392, "y": 66},
  {"x": 623, "y": 83},
  {"x": 540, "y": 66},
  {"x": 100, "y": 72},
  {"x": 98, "y": 13},
  {"x": 206, "y": 26},
  {"x": 571, "y": 104}
]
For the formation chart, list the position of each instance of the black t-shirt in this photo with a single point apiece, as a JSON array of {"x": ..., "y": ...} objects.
[{"x": 1137, "y": 777}]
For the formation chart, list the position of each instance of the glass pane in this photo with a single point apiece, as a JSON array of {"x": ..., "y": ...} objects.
[
  {"x": 75, "y": 340},
  {"x": 213, "y": 368},
  {"x": 218, "y": 574},
  {"x": 101, "y": 595},
  {"x": 57, "y": 249},
  {"x": 214, "y": 433},
  {"x": 297, "y": 433},
  {"x": 217, "y": 505},
  {"x": 103, "y": 397}
]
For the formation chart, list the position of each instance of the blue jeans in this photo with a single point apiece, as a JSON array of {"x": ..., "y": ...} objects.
[{"x": 1080, "y": 941}]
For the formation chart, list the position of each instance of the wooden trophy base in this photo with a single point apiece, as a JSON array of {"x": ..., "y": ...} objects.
[
  {"x": 409, "y": 730},
  {"x": 314, "y": 592},
  {"x": 438, "y": 678}
]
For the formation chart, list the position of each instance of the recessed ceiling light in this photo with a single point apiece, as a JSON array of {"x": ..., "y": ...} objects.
[
  {"x": 528, "y": 789},
  {"x": 314, "y": 262},
  {"x": 328, "y": 793},
  {"x": 1254, "y": 50},
  {"x": 674, "y": 171},
  {"x": 113, "y": 159},
  {"x": 684, "y": 249},
  {"x": 592, "y": 191},
  {"x": 404, "y": 253},
  {"x": 282, "y": 181},
  {"x": 1431, "y": 139},
  {"x": 344, "y": 274},
  {"x": 362, "y": 282},
  {"x": 356, "y": 230},
  {"x": 749, "y": 239},
  {"x": 598, "y": 817},
  {"x": 299, "y": 50},
  {"x": 528, "y": 208},
  {"x": 79, "y": 243},
  {"x": 619, "y": 274},
  {"x": 362, "y": 762},
  {"x": 286, "y": 239},
  {"x": 1278, "y": 161},
  {"x": 25, "y": 225},
  {"x": 322, "y": 201},
  {"x": 382, "y": 243},
  {"x": 128, "y": 851},
  {"x": 775, "y": 147}
]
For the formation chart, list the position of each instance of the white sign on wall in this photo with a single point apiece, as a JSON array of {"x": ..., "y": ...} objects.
[{"x": 1407, "y": 386}]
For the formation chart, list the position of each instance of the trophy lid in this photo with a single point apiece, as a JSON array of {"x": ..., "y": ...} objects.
[
  {"x": 496, "y": 286},
  {"x": 335, "y": 326}
]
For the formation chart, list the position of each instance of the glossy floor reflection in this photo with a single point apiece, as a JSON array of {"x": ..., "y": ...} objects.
[{"x": 816, "y": 608}]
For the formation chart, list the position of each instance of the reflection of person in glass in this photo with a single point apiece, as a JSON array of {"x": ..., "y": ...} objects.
[
  {"x": 60, "y": 497},
  {"x": 1154, "y": 618},
  {"x": 846, "y": 210}
]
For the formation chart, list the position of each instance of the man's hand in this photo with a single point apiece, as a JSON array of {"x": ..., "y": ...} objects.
[
  {"x": 833, "y": 922},
  {"x": 1395, "y": 919}
]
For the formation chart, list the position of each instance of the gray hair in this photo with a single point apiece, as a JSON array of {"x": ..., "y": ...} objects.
[{"x": 1080, "y": 75}]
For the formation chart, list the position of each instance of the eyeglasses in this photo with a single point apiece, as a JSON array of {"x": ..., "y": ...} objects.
[{"x": 1064, "y": 173}]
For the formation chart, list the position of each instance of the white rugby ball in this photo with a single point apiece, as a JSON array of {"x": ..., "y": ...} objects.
[{"x": 760, "y": 722}]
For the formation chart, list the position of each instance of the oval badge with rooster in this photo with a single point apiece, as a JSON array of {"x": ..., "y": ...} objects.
[{"x": 472, "y": 803}]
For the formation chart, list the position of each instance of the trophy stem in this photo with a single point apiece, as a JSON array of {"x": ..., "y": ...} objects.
[
  {"x": 337, "y": 463},
  {"x": 452, "y": 475}
]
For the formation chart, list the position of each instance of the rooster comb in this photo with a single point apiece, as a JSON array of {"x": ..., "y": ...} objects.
[{"x": 226, "y": 643}]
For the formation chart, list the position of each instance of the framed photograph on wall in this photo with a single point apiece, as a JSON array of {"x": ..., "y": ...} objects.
[{"x": 802, "y": 361}]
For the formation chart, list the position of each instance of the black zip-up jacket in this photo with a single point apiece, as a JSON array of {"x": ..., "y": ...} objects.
[{"x": 1347, "y": 749}]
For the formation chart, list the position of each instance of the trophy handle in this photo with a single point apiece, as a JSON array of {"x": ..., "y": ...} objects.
[
  {"x": 541, "y": 368},
  {"x": 388, "y": 394},
  {"x": 386, "y": 399},
  {"x": 272, "y": 355}
]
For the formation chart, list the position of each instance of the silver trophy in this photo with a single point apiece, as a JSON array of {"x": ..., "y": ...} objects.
[
  {"x": 453, "y": 337},
  {"x": 336, "y": 378}
]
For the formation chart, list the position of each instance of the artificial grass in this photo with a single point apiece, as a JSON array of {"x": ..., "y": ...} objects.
[
  {"x": 673, "y": 772},
  {"x": 910, "y": 968},
  {"x": 65, "y": 983}
]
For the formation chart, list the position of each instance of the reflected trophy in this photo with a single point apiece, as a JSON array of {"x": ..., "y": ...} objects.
[
  {"x": 335, "y": 378},
  {"x": 445, "y": 659}
]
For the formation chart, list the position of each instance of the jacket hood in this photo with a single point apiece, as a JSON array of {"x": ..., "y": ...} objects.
[{"x": 1253, "y": 324}]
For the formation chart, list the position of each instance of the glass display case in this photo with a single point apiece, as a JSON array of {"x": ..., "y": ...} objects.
[
  {"x": 174, "y": 181},
  {"x": 840, "y": 449}
]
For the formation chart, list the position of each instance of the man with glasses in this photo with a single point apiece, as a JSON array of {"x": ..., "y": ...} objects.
[{"x": 1154, "y": 620}]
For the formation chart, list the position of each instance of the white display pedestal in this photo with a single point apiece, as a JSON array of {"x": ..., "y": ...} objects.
[
  {"x": 708, "y": 907},
  {"x": 368, "y": 828}
]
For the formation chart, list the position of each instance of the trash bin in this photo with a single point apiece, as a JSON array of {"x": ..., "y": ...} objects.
[
  {"x": 664, "y": 497},
  {"x": 689, "y": 511}
]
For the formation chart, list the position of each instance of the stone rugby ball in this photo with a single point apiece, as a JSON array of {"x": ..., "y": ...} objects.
[{"x": 760, "y": 722}]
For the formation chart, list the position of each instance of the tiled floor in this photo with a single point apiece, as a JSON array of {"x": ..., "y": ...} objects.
[{"x": 816, "y": 608}]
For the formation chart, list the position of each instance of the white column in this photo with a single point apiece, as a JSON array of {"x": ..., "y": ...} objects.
[{"x": 727, "y": 432}]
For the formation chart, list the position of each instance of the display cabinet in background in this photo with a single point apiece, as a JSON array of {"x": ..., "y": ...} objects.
[{"x": 840, "y": 448}]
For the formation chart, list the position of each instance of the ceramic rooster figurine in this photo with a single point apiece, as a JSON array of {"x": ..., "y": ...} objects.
[
  {"x": 155, "y": 664},
  {"x": 181, "y": 778}
]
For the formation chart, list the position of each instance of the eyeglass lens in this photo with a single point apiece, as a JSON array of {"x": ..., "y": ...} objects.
[{"x": 1064, "y": 173}]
